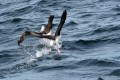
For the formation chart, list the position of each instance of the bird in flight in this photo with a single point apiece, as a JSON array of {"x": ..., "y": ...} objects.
[
  {"x": 54, "y": 39},
  {"x": 44, "y": 31}
]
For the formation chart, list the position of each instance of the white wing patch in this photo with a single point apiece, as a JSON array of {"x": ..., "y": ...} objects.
[
  {"x": 50, "y": 33},
  {"x": 42, "y": 29}
]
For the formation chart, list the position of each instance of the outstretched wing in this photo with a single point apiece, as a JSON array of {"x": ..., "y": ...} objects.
[
  {"x": 48, "y": 27},
  {"x": 34, "y": 34},
  {"x": 62, "y": 21},
  {"x": 28, "y": 33}
]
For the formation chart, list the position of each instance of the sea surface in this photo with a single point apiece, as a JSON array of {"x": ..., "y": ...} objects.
[{"x": 90, "y": 40}]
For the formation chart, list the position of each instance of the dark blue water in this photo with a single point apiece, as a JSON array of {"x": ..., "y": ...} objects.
[{"x": 90, "y": 40}]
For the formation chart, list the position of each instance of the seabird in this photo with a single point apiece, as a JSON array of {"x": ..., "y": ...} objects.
[
  {"x": 44, "y": 31},
  {"x": 55, "y": 39}
]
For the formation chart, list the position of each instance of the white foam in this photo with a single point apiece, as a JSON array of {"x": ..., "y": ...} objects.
[
  {"x": 52, "y": 43},
  {"x": 32, "y": 60},
  {"x": 44, "y": 51},
  {"x": 58, "y": 43},
  {"x": 38, "y": 54}
]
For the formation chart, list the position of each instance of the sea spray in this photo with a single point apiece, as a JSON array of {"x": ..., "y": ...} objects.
[{"x": 44, "y": 51}]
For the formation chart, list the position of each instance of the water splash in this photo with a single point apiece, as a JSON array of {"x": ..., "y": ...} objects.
[
  {"x": 27, "y": 52},
  {"x": 44, "y": 51}
]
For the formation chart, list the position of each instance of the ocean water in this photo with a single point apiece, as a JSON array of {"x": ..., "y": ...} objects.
[{"x": 90, "y": 40}]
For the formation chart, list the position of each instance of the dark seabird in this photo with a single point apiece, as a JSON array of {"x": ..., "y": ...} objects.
[{"x": 53, "y": 39}]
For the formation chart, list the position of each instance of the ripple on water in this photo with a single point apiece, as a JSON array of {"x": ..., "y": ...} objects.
[
  {"x": 117, "y": 9},
  {"x": 81, "y": 44},
  {"x": 71, "y": 23},
  {"x": 18, "y": 68},
  {"x": 16, "y": 20},
  {"x": 115, "y": 72},
  {"x": 97, "y": 62},
  {"x": 86, "y": 15}
]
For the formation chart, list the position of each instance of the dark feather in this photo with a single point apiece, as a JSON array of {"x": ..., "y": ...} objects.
[
  {"x": 46, "y": 36},
  {"x": 62, "y": 21},
  {"x": 48, "y": 27}
]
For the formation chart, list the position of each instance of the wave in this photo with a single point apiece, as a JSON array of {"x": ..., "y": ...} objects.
[
  {"x": 18, "y": 29},
  {"x": 25, "y": 9},
  {"x": 79, "y": 44},
  {"x": 117, "y": 14},
  {"x": 2, "y": 76},
  {"x": 69, "y": 45},
  {"x": 23, "y": 67},
  {"x": 71, "y": 23},
  {"x": 13, "y": 20},
  {"x": 5, "y": 21},
  {"x": 59, "y": 67},
  {"x": 18, "y": 68},
  {"x": 42, "y": 2},
  {"x": 40, "y": 69},
  {"x": 22, "y": 11},
  {"x": 115, "y": 72},
  {"x": 5, "y": 55},
  {"x": 88, "y": 42},
  {"x": 107, "y": 0},
  {"x": 108, "y": 28},
  {"x": 104, "y": 16},
  {"x": 18, "y": 12},
  {"x": 53, "y": 4},
  {"x": 116, "y": 9},
  {"x": 32, "y": 65},
  {"x": 96, "y": 62},
  {"x": 86, "y": 15},
  {"x": 16, "y": 20}
]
